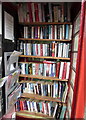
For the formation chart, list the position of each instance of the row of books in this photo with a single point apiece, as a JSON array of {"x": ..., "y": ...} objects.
[
  {"x": 48, "y": 32},
  {"x": 44, "y": 12},
  {"x": 56, "y": 110},
  {"x": 50, "y": 49},
  {"x": 56, "y": 89},
  {"x": 47, "y": 68}
]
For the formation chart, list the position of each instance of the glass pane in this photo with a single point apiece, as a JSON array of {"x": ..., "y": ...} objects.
[
  {"x": 77, "y": 24},
  {"x": 72, "y": 79},
  {"x": 74, "y": 60},
  {"x": 76, "y": 39}
]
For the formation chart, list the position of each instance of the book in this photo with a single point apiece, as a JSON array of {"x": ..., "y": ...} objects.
[{"x": 62, "y": 112}]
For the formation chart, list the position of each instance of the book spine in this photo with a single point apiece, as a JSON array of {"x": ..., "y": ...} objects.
[
  {"x": 61, "y": 70},
  {"x": 57, "y": 69},
  {"x": 40, "y": 12},
  {"x": 50, "y": 12},
  {"x": 33, "y": 12},
  {"x": 36, "y": 12},
  {"x": 30, "y": 12},
  {"x": 68, "y": 70}
]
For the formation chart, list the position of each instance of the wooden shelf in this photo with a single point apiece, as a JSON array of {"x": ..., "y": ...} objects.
[
  {"x": 39, "y": 97},
  {"x": 32, "y": 62},
  {"x": 27, "y": 114},
  {"x": 46, "y": 57},
  {"x": 44, "y": 23},
  {"x": 34, "y": 39},
  {"x": 42, "y": 77}
]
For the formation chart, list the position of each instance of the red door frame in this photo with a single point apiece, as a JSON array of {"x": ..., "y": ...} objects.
[{"x": 78, "y": 98}]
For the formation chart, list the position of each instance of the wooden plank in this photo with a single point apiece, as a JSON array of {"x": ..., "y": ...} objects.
[
  {"x": 42, "y": 77},
  {"x": 46, "y": 57},
  {"x": 34, "y": 39},
  {"x": 32, "y": 62},
  {"x": 39, "y": 97},
  {"x": 44, "y": 23},
  {"x": 27, "y": 114}
]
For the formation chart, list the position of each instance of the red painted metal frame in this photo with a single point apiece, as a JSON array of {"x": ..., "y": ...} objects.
[{"x": 78, "y": 98}]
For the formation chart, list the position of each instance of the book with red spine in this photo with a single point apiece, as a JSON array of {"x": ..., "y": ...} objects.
[
  {"x": 30, "y": 12},
  {"x": 37, "y": 68},
  {"x": 36, "y": 12},
  {"x": 41, "y": 49},
  {"x": 57, "y": 69},
  {"x": 21, "y": 105},
  {"x": 53, "y": 49},
  {"x": 64, "y": 70},
  {"x": 42, "y": 107}
]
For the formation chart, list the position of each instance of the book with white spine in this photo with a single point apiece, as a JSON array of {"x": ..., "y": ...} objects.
[
  {"x": 55, "y": 27},
  {"x": 41, "y": 33},
  {"x": 40, "y": 12},
  {"x": 49, "y": 108},
  {"x": 45, "y": 65},
  {"x": 31, "y": 106},
  {"x": 60, "y": 47},
  {"x": 44, "y": 104},
  {"x": 70, "y": 32},
  {"x": 61, "y": 33},
  {"x": 61, "y": 70},
  {"x": 23, "y": 68},
  {"x": 39, "y": 50},
  {"x": 43, "y": 49},
  {"x": 55, "y": 110},
  {"x": 33, "y": 11},
  {"x": 28, "y": 105},
  {"x": 64, "y": 50},
  {"x": 32, "y": 32},
  {"x": 33, "y": 68},
  {"x": 48, "y": 89},
  {"x": 35, "y": 107},
  {"x": 68, "y": 70},
  {"x": 42, "y": 89}
]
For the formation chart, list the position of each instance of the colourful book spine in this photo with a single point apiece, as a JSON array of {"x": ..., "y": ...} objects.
[
  {"x": 62, "y": 114},
  {"x": 36, "y": 12},
  {"x": 30, "y": 12},
  {"x": 67, "y": 32}
]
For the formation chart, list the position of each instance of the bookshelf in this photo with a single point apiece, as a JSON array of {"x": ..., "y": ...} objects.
[{"x": 45, "y": 62}]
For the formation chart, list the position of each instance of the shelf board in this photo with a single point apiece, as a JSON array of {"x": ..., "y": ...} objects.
[
  {"x": 39, "y": 97},
  {"x": 34, "y": 39},
  {"x": 31, "y": 62},
  {"x": 46, "y": 57},
  {"x": 44, "y": 23},
  {"x": 42, "y": 77},
  {"x": 27, "y": 114}
]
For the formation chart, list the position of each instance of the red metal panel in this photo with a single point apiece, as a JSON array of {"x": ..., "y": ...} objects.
[
  {"x": 81, "y": 91},
  {"x": 78, "y": 100}
]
